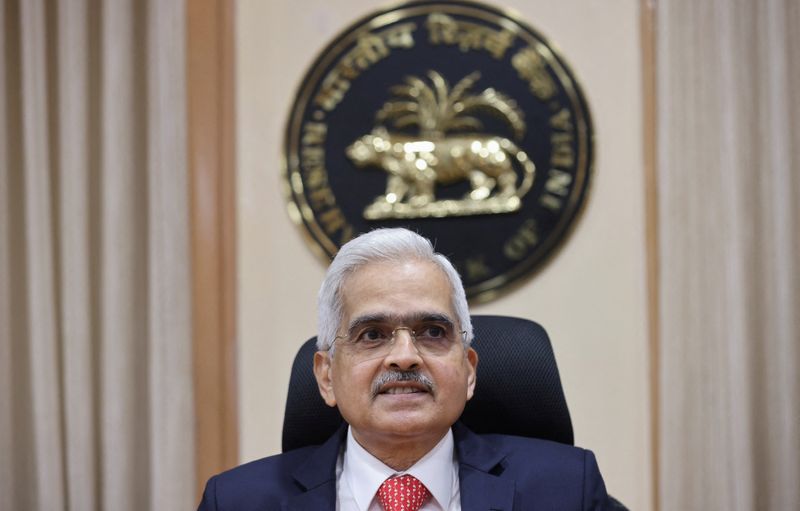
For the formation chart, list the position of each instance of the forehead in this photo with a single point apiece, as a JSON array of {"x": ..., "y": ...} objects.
[{"x": 396, "y": 289}]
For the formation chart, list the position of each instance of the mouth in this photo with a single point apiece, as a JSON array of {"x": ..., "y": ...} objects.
[
  {"x": 403, "y": 389},
  {"x": 408, "y": 384}
]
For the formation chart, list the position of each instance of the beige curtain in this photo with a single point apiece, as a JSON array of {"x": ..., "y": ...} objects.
[
  {"x": 95, "y": 348},
  {"x": 729, "y": 192}
]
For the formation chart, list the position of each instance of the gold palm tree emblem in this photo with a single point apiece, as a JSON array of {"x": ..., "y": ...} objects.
[{"x": 437, "y": 109}]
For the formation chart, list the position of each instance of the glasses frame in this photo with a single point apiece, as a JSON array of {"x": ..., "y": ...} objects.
[{"x": 391, "y": 340}]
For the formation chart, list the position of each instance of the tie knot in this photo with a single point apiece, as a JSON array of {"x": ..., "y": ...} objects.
[{"x": 402, "y": 493}]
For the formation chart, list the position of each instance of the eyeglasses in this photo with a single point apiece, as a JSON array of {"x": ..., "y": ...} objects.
[{"x": 374, "y": 340}]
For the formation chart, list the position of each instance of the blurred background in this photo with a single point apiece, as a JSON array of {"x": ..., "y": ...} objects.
[{"x": 153, "y": 289}]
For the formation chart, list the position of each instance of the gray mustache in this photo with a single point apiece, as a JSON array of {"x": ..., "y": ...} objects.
[{"x": 400, "y": 376}]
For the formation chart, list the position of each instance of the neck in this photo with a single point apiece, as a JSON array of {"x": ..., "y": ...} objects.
[{"x": 398, "y": 454}]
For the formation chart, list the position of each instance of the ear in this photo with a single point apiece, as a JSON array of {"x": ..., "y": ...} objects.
[
  {"x": 471, "y": 359},
  {"x": 322, "y": 372}
]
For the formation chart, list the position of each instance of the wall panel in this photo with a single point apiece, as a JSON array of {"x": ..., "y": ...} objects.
[{"x": 592, "y": 297}]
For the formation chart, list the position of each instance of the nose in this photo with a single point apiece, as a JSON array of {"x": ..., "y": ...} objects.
[{"x": 403, "y": 354}]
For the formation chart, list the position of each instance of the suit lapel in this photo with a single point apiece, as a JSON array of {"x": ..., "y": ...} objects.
[
  {"x": 321, "y": 498},
  {"x": 482, "y": 492},
  {"x": 478, "y": 461},
  {"x": 317, "y": 477}
]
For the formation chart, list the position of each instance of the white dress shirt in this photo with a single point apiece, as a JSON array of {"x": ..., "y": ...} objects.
[{"x": 359, "y": 474}]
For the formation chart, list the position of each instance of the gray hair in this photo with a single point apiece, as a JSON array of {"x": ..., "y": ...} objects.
[{"x": 381, "y": 245}]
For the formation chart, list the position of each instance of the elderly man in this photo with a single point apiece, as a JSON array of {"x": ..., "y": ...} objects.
[{"x": 395, "y": 357}]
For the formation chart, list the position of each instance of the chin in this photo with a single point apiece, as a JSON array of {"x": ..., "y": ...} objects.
[{"x": 415, "y": 427}]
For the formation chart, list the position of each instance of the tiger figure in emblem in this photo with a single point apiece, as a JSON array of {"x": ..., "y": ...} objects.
[{"x": 416, "y": 166}]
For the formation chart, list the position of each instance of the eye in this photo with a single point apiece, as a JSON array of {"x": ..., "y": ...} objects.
[
  {"x": 434, "y": 332},
  {"x": 371, "y": 335}
]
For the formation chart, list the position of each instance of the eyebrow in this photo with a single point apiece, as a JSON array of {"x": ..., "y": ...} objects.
[{"x": 418, "y": 317}]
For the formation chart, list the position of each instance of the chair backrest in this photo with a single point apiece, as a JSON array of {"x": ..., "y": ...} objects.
[{"x": 518, "y": 389}]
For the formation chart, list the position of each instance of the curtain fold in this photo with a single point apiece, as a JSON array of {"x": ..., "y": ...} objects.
[
  {"x": 169, "y": 290},
  {"x": 75, "y": 213},
  {"x": 729, "y": 183},
  {"x": 95, "y": 341}
]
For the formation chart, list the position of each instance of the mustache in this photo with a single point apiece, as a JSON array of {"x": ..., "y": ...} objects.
[{"x": 386, "y": 378}]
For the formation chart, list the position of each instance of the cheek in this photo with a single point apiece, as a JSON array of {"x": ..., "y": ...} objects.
[
  {"x": 456, "y": 375},
  {"x": 352, "y": 381}
]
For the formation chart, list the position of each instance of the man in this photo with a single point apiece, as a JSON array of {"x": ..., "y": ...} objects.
[{"x": 395, "y": 357}]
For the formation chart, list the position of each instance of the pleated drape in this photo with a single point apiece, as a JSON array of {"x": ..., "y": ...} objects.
[
  {"x": 729, "y": 194},
  {"x": 95, "y": 342}
]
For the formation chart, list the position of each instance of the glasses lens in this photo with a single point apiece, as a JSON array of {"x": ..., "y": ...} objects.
[
  {"x": 434, "y": 338},
  {"x": 376, "y": 340},
  {"x": 370, "y": 338}
]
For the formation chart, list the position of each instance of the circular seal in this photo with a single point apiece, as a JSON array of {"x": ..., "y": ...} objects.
[{"x": 453, "y": 119}]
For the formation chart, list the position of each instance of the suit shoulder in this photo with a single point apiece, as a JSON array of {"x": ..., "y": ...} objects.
[
  {"x": 256, "y": 484},
  {"x": 524, "y": 446},
  {"x": 551, "y": 472},
  {"x": 542, "y": 455}
]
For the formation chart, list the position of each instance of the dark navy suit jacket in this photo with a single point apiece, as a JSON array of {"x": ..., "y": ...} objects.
[{"x": 496, "y": 472}]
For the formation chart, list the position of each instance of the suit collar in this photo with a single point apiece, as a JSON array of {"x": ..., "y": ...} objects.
[
  {"x": 480, "y": 464},
  {"x": 317, "y": 476},
  {"x": 474, "y": 451}
]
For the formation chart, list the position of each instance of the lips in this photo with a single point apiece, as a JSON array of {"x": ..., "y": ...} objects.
[
  {"x": 403, "y": 389},
  {"x": 399, "y": 383}
]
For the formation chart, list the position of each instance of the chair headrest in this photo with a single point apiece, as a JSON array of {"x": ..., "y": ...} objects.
[{"x": 518, "y": 390}]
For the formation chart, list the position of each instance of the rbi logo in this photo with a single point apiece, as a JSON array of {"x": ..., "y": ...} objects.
[{"x": 449, "y": 118}]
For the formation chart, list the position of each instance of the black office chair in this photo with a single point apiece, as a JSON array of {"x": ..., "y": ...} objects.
[{"x": 518, "y": 389}]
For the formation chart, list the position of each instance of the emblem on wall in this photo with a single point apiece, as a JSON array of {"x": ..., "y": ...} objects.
[{"x": 453, "y": 119}]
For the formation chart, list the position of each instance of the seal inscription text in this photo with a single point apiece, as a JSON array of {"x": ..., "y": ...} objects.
[{"x": 452, "y": 118}]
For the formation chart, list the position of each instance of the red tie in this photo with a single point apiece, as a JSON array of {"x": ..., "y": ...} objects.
[{"x": 402, "y": 493}]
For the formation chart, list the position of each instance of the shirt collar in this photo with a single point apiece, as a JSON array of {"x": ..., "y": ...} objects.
[{"x": 365, "y": 473}]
